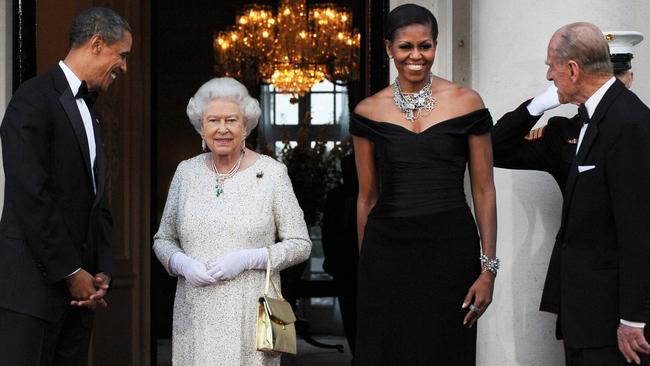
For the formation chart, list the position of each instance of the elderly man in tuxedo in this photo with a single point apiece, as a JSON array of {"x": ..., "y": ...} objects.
[
  {"x": 55, "y": 231},
  {"x": 551, "y": 148},
  {"x": 598, "y": 280}
]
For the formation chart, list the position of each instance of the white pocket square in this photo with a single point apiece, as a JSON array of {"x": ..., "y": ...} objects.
[{"x": 584, "y": 168}]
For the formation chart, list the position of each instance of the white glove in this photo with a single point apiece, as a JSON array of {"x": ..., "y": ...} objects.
[
  {"x": 195, "y": 272},
  {"x": 543, "y": 102},
  {"x": 232, "y": 264}
]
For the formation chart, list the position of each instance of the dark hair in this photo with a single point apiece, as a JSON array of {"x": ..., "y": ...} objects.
[
  {"x": 621, "y": 62},
  {"x": 409, "y": 14},
  {"x": 103, "y": 21}
]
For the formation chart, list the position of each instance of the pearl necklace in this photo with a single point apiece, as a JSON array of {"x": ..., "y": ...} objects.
[
  {"x": 221, "y": 177},
  {"x": 409, "y": 102}
]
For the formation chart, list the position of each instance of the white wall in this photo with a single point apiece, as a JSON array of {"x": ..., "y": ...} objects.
[
  {"x": 508, "y": 40},
  {"x": 5, "y": 74}
]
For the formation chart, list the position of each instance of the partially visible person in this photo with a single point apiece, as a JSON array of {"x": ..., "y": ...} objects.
[
  {"x": 340, "y": 248},
  {"x": 551, "y": 148},
  {"x": 598, "y": 280},
  {"x": 55, "y": 232},
  {"x": 227, "y": 211},
  {"x": 620, "y": 50},
  {"x": 426, "y": 274}
]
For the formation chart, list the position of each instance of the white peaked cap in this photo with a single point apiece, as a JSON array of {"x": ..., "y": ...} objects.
[{"x": 621, "y": 42}]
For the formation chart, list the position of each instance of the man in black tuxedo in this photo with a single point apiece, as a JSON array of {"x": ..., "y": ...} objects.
[
  {"x": 551, "y": 148},
  {"x": 599, "y": 276},
  {"x": 55, "y": 231}
]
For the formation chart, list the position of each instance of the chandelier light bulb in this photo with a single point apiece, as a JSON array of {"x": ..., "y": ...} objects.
[{"x": 293, "y": 49}]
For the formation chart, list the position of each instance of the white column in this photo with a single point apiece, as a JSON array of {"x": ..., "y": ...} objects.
[
  {"x": 508, "y": 53},
  {"x": 6, "y": 33}
]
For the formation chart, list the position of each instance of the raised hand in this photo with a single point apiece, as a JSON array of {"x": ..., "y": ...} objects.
[{"x": 544, "y": 101}]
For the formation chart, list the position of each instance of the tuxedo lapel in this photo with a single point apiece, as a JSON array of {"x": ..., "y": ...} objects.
[
  {"x": 100, "y": 160},
  {"x": 74, "y": 117},
  {"x": 587, "y": 141}
]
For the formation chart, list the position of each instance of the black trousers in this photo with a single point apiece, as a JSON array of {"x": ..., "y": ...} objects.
[
  {"x": 347, "y": 290},
  {"x": 29, "y": 341},
  {"x": 604, "y": 356}
]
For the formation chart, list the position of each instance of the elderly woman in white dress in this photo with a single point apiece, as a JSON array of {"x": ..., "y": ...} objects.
[{"x": 223, "y": 210}]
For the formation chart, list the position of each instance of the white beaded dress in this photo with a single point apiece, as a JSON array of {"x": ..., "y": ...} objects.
[{"x": 215, "y": 325}]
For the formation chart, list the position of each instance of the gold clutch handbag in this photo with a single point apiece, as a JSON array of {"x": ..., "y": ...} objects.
[{"x": 276, "y": 332}]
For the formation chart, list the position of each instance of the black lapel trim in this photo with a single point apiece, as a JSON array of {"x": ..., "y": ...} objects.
[
  {"x": 590, "y": 136},
  {"x": 70, "y": 106},
  {"x": 100, "y": 159}
]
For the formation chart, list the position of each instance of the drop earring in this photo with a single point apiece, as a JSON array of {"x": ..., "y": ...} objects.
[{"x": 204, "y": 146}]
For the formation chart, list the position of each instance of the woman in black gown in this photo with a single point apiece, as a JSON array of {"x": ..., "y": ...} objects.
[{"x": 425, "y": 275}]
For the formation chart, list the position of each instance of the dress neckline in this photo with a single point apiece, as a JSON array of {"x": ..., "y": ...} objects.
[
  {"x": 256, "y": 162},
  {"x": 399, "y": 126}
]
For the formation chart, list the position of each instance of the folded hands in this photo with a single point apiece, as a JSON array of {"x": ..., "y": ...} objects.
[{"x": 224, "y": 268}]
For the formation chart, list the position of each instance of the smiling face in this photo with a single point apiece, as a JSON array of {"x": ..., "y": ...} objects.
[
  {"x": 110, "y": 61},
  {"x": 223, "y": 128},
  {"x": 413, "y": 50}
]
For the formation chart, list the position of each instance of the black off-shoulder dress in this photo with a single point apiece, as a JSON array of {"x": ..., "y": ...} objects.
[{"x": 420, "y": 248}]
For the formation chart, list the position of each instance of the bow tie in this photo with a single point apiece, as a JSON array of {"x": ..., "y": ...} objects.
[
  {"x": 88, "y": 96},
  {"x": 583, "y": 114}
]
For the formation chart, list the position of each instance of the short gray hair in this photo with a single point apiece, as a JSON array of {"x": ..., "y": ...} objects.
[
  {"x": 103, "y": 21},
  {"x": 223, "y": 88},
  {"x": 585, "y": 44}
]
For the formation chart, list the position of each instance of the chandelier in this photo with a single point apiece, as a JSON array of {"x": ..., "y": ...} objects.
[{"x": 294, "y": 49}]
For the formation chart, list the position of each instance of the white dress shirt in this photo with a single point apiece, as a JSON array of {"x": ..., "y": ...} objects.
[{"x": 591, "y": 105}]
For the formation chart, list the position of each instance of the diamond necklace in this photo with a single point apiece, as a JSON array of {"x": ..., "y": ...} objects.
[
  {"x": 221, "y": 177},
  {"x": 410, "y": 102}
]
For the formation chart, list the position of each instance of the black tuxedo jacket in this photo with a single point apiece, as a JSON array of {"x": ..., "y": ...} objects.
[
  {"x": 600, "y": 267},
  {"x": 53, "y": 222},
  {"x": 552, "y": 153},
  {"x": 600, "y": 271}
]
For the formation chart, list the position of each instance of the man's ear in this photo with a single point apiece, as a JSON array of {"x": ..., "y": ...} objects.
[
  {"x": 574, "y": 70},
  {"x": 96, "y": 43}
]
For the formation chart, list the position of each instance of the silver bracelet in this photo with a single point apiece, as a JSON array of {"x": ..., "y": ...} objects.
[{"x": 488, "y": 264}]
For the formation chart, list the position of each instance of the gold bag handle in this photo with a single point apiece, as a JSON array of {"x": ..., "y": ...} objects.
[{"x": 268, "y": 277}]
